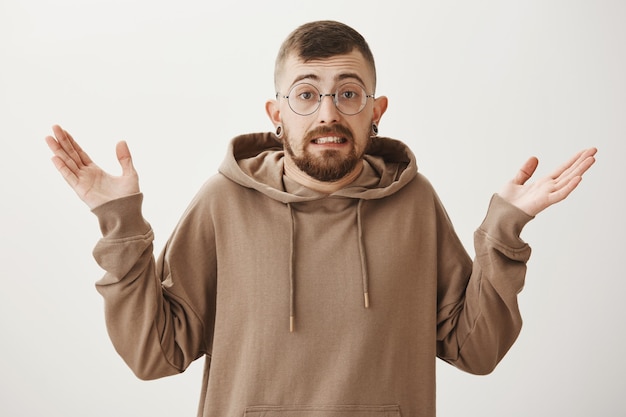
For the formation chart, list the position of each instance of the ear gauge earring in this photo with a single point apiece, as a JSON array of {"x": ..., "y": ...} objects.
[
  {"x": 279, "y": 131},
  {"x": 374, "y": 130}
]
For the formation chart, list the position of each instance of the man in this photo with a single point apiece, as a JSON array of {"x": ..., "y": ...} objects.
[{"x": 318, "y": 272}]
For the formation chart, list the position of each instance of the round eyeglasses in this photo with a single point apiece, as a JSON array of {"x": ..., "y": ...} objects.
[{"x": 304, "y": 98}]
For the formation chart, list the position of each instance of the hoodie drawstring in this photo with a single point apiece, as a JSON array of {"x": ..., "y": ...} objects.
[
  {"x": 366, "y": 294},
  {"x": 291, "y": 268},
  {"x": 292, "y": 243}
]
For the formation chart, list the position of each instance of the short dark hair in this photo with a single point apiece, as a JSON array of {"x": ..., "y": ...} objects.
[{"x": 323, "y": 39}]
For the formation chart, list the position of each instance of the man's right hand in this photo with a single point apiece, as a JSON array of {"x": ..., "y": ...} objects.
[{"x": 93, "y": 185}]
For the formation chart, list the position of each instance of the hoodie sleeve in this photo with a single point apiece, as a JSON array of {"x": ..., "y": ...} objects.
[
  {"x": 478, "y": 316},
  {"x": 152, "y": 320}
]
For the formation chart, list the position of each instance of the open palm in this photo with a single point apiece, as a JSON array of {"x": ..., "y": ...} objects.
[
  {"x": 92, "y": 184},
  {"x": 537, "y": 196}
]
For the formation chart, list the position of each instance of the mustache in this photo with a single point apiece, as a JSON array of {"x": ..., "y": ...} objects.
[{"x": 336, "y": 130}]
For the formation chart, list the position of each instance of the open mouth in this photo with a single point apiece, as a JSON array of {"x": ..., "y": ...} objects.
[{"x": 329, "y": 140}]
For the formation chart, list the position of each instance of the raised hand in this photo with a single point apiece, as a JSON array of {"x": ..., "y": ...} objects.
[
  {"x": 535, "y": 197},
  {"x": 93, "y": 185}
]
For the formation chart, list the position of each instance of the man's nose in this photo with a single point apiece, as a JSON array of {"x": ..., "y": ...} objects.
[{"x": 328, "y": 111}]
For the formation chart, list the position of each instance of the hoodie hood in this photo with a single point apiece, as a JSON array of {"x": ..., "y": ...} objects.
[{"x": 256, "y": 161}]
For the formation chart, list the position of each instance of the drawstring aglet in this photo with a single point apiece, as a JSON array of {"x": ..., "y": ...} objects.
[
  {"x": 291, "y": 324},
  {"x": 367, "y": 299}
]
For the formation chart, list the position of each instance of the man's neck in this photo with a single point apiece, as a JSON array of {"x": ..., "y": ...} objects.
[{"x": 325, "y": 187}]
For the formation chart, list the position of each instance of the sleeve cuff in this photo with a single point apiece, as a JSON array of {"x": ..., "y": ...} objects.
[
  {"x": 504, "y": 221},
  {"x": 122, "y": 217}
]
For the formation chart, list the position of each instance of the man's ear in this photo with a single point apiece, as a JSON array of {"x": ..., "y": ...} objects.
[
  {"x": 273, "y": 112},
  {"x": 380, "y": 106}
]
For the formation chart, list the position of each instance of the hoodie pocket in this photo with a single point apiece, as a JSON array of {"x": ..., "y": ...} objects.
[{"x": 323, "y": 411}]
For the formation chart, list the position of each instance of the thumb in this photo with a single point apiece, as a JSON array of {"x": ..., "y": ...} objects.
[
  {"x": 123, "y": 156},
  {"x": 526, "y": 171}
]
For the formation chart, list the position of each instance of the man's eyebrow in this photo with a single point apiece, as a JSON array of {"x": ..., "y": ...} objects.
[
  {"x": 338, "y": 77},
  {"x": 302, "y": 77},
  {"x": 348, "y": 75}
]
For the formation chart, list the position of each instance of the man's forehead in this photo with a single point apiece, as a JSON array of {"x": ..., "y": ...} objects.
[{"x": 327, "y": 70}]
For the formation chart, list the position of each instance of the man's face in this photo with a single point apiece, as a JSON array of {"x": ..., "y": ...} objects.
[{"x": 326, "y": 145}]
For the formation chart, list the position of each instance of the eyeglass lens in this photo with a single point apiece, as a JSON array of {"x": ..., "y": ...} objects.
[{"x": 305, "y": 98}]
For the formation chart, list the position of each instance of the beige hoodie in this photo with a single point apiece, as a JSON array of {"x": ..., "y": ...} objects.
[{"x": 373, "y": 277}]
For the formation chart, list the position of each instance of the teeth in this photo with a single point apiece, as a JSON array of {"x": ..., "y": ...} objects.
[{"x": 334, "y": 139}]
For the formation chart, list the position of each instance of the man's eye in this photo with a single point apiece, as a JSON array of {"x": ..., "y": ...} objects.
[
  {"x": 350, "y": 95},
  {"x": 306, "y": 95}
]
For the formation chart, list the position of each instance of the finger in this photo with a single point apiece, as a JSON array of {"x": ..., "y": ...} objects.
[
  {"x": 586, "y": 161},
  {"x": 60, "y": 154},
  {"x": 580, "y": 167},
  {"x": 526, "y": 171},
  {"x": 571, "y": 167},
  {"x": 67, "y": 144},
  {"x": 52, "y": 143},
  {"x": 68, "y": 175},
  {"x": 86, "y": 160},
  {"x": 562, "y": 193},
  {"x": 124, "y": 157}
]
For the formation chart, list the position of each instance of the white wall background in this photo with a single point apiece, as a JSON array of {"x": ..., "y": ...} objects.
[{"x": 474, "y": 87}]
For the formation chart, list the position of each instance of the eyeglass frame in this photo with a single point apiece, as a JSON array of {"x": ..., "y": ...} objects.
[{"x": 322, "y": 95}]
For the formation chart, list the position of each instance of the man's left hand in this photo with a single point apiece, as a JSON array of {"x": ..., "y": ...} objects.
[{"x": 537, "y": 196}]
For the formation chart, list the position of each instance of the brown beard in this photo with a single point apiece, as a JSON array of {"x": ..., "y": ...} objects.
[{"x": 330, "y": 165}]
